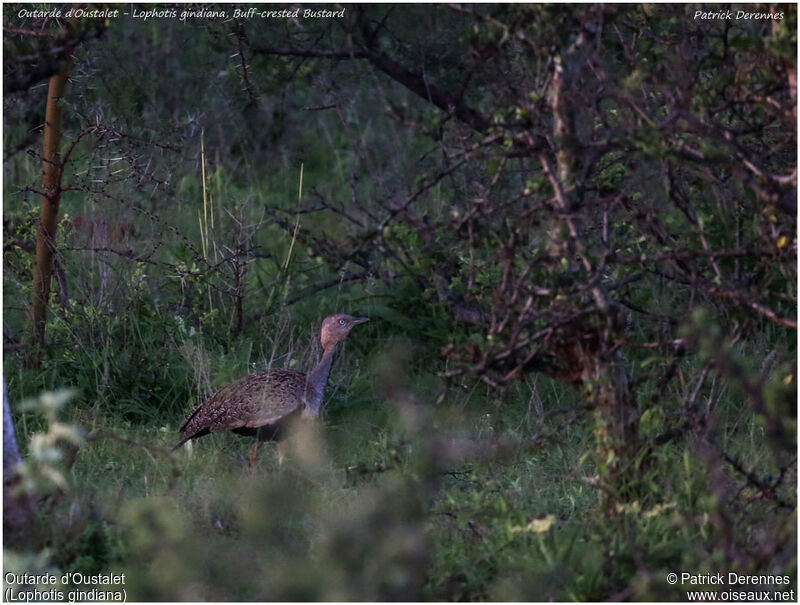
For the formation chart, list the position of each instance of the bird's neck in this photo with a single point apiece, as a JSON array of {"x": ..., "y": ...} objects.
[{"x": 317, "y": 379}]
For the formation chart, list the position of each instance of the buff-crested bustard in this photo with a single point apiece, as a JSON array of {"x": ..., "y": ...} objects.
[{"x": 263, "y": 404}]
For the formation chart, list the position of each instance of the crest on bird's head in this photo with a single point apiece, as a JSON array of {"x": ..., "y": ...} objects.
[{"x": 335, "y": 328}]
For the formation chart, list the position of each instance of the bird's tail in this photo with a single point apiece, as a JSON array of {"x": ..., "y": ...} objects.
[{"x": 180, "y": 443}]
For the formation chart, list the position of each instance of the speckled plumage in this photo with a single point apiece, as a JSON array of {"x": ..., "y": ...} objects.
[
  {"x": 252, "y": 401},
  {"x": 261, "y": 404}
]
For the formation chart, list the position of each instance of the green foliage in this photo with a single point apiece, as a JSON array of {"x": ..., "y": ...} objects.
[
  {"x": 494, "y": 433},
  {"x": 519, "y": 525},
  {"x": 51, "y": 451},
  {"x": 93, "y": 551}
]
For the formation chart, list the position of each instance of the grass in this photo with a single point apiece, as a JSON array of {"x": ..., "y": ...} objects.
[
  {"x": 407, "y": 490},
  {"x": 388, "y": 498}
]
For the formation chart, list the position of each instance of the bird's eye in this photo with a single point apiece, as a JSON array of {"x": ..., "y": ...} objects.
[{"x": 341, "y": 322}]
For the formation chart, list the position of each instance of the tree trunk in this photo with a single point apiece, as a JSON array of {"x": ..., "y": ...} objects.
[
  {"x": 48, "y": 221},
  {"x": 18, "y": 508},
  {"x": 11, "y": 455},
  {"x": 606, "y": 383}
]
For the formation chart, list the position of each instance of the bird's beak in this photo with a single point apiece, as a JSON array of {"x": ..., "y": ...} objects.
[{"x": 360, "y": 320}]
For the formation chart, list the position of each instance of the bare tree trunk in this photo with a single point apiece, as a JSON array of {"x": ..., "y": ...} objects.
[
  {"x": 11, "y": 455},
  {"x": 48, "y": 221},
  {"x": 18, "y": 508}
]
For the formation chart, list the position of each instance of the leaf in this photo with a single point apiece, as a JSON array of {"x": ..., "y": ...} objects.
[
  {"x": 540, "y": 526},
  {"x": 659, "y": 508},
  {"x": 536, "y": 526}
]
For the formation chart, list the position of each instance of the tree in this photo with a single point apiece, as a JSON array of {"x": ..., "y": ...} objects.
[
  {"x": 18, "y": 508},
  {"x": 48, "y": 221},
  {"x": 622, "y": 160},
  {"x": 35, "y": 53}
]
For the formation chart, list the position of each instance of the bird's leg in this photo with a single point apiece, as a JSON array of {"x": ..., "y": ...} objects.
[
  {"x": 279, "y": 448},
  {"x": 253, "y": 451}
]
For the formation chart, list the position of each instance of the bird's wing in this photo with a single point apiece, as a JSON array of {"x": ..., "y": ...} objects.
[
  {"x": 252, "y": 401},
  {"x": 280, "y": 394}
]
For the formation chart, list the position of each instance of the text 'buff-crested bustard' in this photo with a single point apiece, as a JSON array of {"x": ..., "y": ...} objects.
[{"x": 263, "y": 404}]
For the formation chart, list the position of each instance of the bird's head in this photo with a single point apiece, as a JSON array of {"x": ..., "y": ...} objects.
[{"x": 335, "y": 328}]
